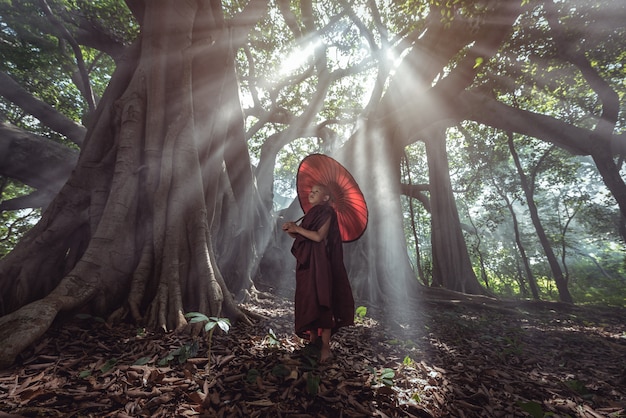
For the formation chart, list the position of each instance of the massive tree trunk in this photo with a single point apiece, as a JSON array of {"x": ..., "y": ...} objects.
[
  {"x": 132, "y": 229},
  {"x": 378, "y": 263},
  {"x": 452, "y": 268}
]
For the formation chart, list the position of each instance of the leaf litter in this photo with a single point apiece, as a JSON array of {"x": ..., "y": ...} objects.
[{"x": 442, "y": 359}]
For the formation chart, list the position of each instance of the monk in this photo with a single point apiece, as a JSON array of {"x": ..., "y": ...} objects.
[{"x": 323, "y": 299}]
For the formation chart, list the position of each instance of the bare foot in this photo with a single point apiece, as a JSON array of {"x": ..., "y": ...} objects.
[{"x": 326, "y": 355}]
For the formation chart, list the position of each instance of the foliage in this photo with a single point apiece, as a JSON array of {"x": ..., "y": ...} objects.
[
  {"x": 34, "y": 54},
  {"x": 382, "y": 377},
  {"x": 41, "y": 61},
  {"x": 272, "y": 339},
  {"x": 181, "y": 354},
  {"x": 210, "y": 322},
  {"x": 14, "y": 224},
  {"x": 360, "y": 313}
]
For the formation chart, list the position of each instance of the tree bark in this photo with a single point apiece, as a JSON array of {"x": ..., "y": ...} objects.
[
  {"x": 132, "y": 229},
  {"x": 452, "y": 268}
]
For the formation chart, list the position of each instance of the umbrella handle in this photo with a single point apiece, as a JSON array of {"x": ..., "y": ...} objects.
[{"x": 298, "y": 220}]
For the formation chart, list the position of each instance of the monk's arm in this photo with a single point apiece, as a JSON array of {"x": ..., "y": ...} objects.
[{"x": 317, "y": 236}]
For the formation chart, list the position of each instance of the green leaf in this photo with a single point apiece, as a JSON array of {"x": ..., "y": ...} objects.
[
  {"x": 387, "y": 374},
  {"x": 361, "y": 311},
  {"x": 478, "y": 62},
  {"x": 224, "y": 324},
  {"x": 533, "y": 408},
  {"x": 312, "y": 384},
  {"x": 196, "y": 317},
  {"x": 142, "y": 361},
  {"x": 165, "y": 360},
  {"x": 108, "y": 365},
  {"x": 273, "y": 338},
  {"x": 577, "y": 386},
  {"x": 252, "y": 375},
  {"x": 281, "y": 371}
]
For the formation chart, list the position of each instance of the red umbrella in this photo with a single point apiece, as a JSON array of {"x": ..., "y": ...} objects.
[{"x": 347, "y": 199}]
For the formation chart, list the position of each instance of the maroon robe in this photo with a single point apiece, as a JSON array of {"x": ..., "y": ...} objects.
[{"x": 323, "y": 294}]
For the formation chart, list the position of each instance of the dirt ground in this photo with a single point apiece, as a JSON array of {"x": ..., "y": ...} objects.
[{"x": 435, "y": 358}]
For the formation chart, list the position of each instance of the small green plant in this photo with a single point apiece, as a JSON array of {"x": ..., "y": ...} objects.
[
  {"x": 385, "y": 377},
  {"x": 534, "y": 409},
  {"x": 312, "y": 383},
  {"x": 272, "y": 339},
  {"x": 360, "y": 313},
  {"x": 142, "y": 361},
  {"x": 252, "y": 376},
  {"x": 108, "y": 365},
  {"x": 209, "y": 328},
  {"x": 281, "y": 371},
  {"x": 410, "y": 344},
  {"x": 578, "y": 387},
  {"x": 181, "y": 354},
  {"x": 408, "y": 361}
]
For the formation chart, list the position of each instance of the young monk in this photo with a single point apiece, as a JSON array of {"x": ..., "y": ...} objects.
[{"x": 323, "y": 300}]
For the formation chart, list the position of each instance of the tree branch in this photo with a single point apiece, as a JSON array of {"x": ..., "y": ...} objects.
[
  {"x": 46, "y": 114},
  {"x": 34, "y": 160},
  {"x": 488, "y": 111},
  {"x": 78, "y": 54},
  {"x": 416, "y": 191}
]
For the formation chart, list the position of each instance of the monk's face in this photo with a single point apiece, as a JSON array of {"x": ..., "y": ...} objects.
[{"x": 317, "y": 196}]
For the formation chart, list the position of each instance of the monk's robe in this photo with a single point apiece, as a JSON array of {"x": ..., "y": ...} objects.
[{"x": 323, "y": 294}]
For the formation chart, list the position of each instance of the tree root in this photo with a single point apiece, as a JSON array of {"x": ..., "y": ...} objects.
[{"x": 23, "y": 327}]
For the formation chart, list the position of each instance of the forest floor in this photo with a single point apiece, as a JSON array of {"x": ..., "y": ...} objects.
[{"x": 465, "y": 358}]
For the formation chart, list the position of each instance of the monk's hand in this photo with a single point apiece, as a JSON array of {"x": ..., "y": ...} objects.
[{"x": 290, "y": 227}]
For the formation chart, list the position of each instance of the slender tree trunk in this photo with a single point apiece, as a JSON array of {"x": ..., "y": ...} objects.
[
  {"x": 479, "y": 254},
  {"x": 559, "y": 279},
  {"x": 520, "y": 276},
  {"x": 530, "y": 277},
  {"x": 412, "y": 214}
]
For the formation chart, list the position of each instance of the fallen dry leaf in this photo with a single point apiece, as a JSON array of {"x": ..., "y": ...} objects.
[{"x": 439, "y": 359}]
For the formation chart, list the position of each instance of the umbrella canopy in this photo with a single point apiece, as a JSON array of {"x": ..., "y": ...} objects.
[{"x": 346, "y": 197}]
